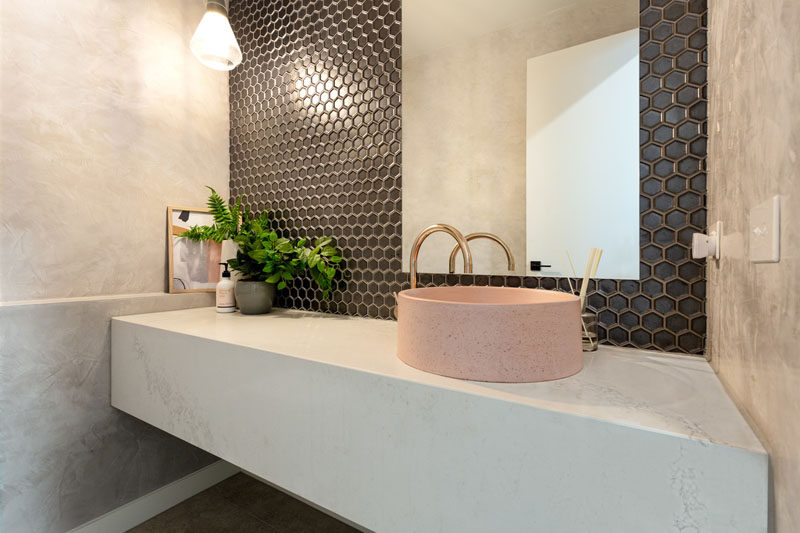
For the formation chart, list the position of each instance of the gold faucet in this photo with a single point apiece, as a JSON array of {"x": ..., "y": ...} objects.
[
  {"x": 491, "y": 237},
  {"x": 462, "y": 244}
]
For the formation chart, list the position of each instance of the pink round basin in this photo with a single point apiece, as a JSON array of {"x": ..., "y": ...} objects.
[{"x": 499, "y": 334}]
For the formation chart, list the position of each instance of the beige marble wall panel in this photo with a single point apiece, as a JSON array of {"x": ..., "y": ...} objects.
[
  {"x": 754, "y": 309},
  {"x": 106, "y": 118},
  {"x": 464, "y": 131}
]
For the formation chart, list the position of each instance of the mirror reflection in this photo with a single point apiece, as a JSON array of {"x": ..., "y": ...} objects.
[{"x": 520, "y": 121}]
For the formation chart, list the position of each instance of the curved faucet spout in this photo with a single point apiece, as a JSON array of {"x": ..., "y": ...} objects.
[
  {"x": 457, "y": 235},
  {"x": 491, "y": 237}
]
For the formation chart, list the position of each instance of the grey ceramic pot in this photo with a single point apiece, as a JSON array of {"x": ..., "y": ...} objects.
[{"x": 254, "y": 297}]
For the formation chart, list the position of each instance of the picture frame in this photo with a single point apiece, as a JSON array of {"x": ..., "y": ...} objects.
[{"x": 193, "y": 266}]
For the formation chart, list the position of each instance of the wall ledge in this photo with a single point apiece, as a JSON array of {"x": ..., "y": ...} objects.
[{"x": 97, "y": 298}]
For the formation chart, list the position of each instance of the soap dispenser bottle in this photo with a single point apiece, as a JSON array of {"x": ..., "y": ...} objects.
[{"x": 226, "y": 302}]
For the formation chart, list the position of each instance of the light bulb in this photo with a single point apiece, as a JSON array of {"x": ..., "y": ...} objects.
[{"x": 213, "y": 42}]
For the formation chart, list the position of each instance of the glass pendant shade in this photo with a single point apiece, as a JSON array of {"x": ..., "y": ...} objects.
[{"x": 213, "y": 42}]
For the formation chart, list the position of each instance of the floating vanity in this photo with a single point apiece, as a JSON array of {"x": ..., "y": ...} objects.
[{"x": 321, "y": 406}]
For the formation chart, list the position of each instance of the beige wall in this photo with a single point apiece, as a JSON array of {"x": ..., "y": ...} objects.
[
  {"x": 106, "y": 118},
  {"x": 754, "y": 309},
  {"x": 464, "y": 131}
]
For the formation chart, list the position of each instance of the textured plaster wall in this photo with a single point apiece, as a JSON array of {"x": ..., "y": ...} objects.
[
  {"x": 754, "y": 309},
  {"x": 464, "y": 131},
  {"x": 67, "y": 456},
  {"x": 105, "y": 118}
]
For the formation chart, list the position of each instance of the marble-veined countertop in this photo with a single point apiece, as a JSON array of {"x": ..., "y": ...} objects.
[
  {"x": 321, "y": 406},
  {"x": 655, "y": 391}
]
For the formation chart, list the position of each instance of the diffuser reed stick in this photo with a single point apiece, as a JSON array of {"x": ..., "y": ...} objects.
[
  {"x": 590, "y": 339},
  {"x": 586, "y": 273},
  {"x": 571, "y": 266},
  {"x": 597, "y": 262},
  {"x": 569, "y": 280}
]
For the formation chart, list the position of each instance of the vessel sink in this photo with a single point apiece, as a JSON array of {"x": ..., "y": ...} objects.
[{"x": 498, "y": 334}]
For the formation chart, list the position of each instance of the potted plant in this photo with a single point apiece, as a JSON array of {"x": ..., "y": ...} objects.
[{"x": 266, "y": 261}]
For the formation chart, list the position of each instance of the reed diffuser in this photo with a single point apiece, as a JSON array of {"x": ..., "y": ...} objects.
[{"x": 589, "y": 335}]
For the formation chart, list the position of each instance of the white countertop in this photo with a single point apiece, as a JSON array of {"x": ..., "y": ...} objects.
[
  {"x": 321, "y": 406},
  {"x": 673, "y": 394}
]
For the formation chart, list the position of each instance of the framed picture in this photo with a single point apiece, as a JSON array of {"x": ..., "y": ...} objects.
[{"x": 194, "y": 266}]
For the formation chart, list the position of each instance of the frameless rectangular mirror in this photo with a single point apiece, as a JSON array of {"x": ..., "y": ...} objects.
[{"x": 520, "y": 118}]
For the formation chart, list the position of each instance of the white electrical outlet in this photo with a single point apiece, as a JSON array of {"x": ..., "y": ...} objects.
[{"x": 765, "y": 231}]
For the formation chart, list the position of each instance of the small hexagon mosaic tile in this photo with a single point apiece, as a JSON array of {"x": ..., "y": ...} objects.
[{"x": 315, "y": 112}]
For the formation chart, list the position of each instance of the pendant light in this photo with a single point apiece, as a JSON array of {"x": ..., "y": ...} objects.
[{"x": 213, "y": 42}]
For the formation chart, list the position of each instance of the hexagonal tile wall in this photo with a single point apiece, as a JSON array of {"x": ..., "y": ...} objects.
[{"x": 315, "y": 137}]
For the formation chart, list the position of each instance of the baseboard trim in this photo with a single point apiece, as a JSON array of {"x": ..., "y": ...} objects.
[{"x": 146, "y": 507}]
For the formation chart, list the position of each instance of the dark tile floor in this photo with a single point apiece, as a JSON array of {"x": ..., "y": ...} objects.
[{"x": 242, "y": 504}]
